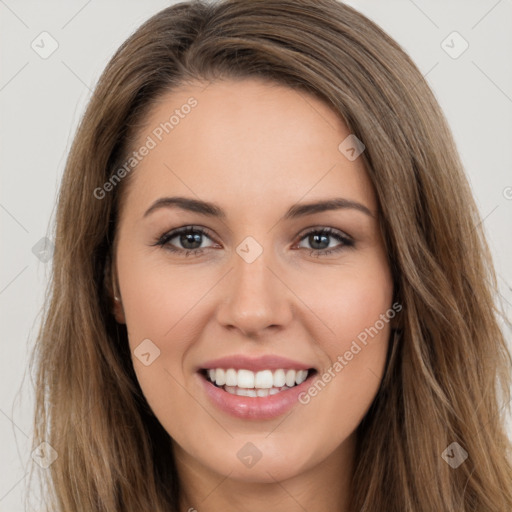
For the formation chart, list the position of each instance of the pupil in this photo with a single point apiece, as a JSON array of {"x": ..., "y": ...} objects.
[
  {"x": 189, "y": 237},
  {"x": 315, "y": 238}
]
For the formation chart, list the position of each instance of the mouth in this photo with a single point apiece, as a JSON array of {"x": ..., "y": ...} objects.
[
  {"x": 260, "y": 384},
  {"x": 255, "y": 395}
]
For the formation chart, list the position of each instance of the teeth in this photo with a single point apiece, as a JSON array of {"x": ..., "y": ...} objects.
[
  {"x": 290, "y": 378},
  {"x": 301, "y": 376},
  {"x": 279, "y": 378},
  {"x": 264, "y": 382},
  {"x": 245, "y": 392},
  {"x": 253, "y": 392},
  {"x": 220, "y": 377},
  {"x": 245, "y": 379},
  {"x": 231, "y": 378}
]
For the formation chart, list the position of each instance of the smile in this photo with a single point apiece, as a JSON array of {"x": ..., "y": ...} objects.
[
  {"x": 245, "y": 382},
  {"x": 254, "y": 388}
]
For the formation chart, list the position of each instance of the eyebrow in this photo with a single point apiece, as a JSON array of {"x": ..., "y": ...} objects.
[{"x": 296, "y": 211}]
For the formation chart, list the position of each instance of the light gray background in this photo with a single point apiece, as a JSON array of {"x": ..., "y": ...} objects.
[{"x": 41, "y": 101}]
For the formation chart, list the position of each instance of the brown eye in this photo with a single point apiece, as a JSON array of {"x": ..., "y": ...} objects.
[
  {"x": 190, "y": 239},
  {"x": 320, "y": 240}
]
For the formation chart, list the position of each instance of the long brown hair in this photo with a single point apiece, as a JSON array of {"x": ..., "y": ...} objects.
[{"x": 448, "y": 368}]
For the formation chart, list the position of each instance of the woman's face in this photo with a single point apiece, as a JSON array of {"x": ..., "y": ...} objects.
[{"x": 260, "y": 299}]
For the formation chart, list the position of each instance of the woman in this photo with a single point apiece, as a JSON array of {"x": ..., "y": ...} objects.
[{"x": 258, "y": 369}]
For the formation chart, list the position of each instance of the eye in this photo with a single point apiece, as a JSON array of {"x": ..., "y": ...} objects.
[
  {"x": 319, "y": 240},
  {"x": 188, "y": 236},
  {"x": 190, "y": 239}
]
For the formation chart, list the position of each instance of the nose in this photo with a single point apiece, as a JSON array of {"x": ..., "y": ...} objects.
[{"x": 254, "y": 298}]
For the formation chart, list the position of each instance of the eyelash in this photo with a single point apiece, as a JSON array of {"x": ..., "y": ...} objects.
[{"x": 163, "y": 241}]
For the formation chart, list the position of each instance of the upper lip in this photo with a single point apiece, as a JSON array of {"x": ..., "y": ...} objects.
[{"x": 265, "y": 362}]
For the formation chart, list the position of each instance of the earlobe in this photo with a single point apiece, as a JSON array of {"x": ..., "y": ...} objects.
[
  {"x": 113, "y": 292},
  {"x": 117, "y": 309}
]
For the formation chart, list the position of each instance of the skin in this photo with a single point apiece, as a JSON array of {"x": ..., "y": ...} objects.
[{"x": 254, "y": 149}]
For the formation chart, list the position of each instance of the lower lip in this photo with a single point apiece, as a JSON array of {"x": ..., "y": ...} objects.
[{"x": 255, "y": 408}]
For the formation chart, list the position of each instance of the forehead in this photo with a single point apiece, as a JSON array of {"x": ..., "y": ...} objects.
[{"x": 248, "y": 141}]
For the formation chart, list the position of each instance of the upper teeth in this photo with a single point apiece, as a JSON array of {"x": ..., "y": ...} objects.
[{"x": 264, "y": 379}]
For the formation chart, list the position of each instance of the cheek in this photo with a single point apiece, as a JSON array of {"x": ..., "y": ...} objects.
[
  {"x": 353, "y": 304},
  {"x": 165, "y": 305},
  {"x": 159, "y": 304},
  {"x": 357, "y": 307},
  {"x": 158, "y": 299},
  {"x": 361, "y": 307}
]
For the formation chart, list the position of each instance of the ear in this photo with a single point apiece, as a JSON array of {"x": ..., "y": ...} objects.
[{"x": 112, "y": 288}]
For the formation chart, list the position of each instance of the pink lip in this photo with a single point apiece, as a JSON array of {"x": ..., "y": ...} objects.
[
  {"x": 255, "y": 408},
  {"x": 255, "y": 364}
]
